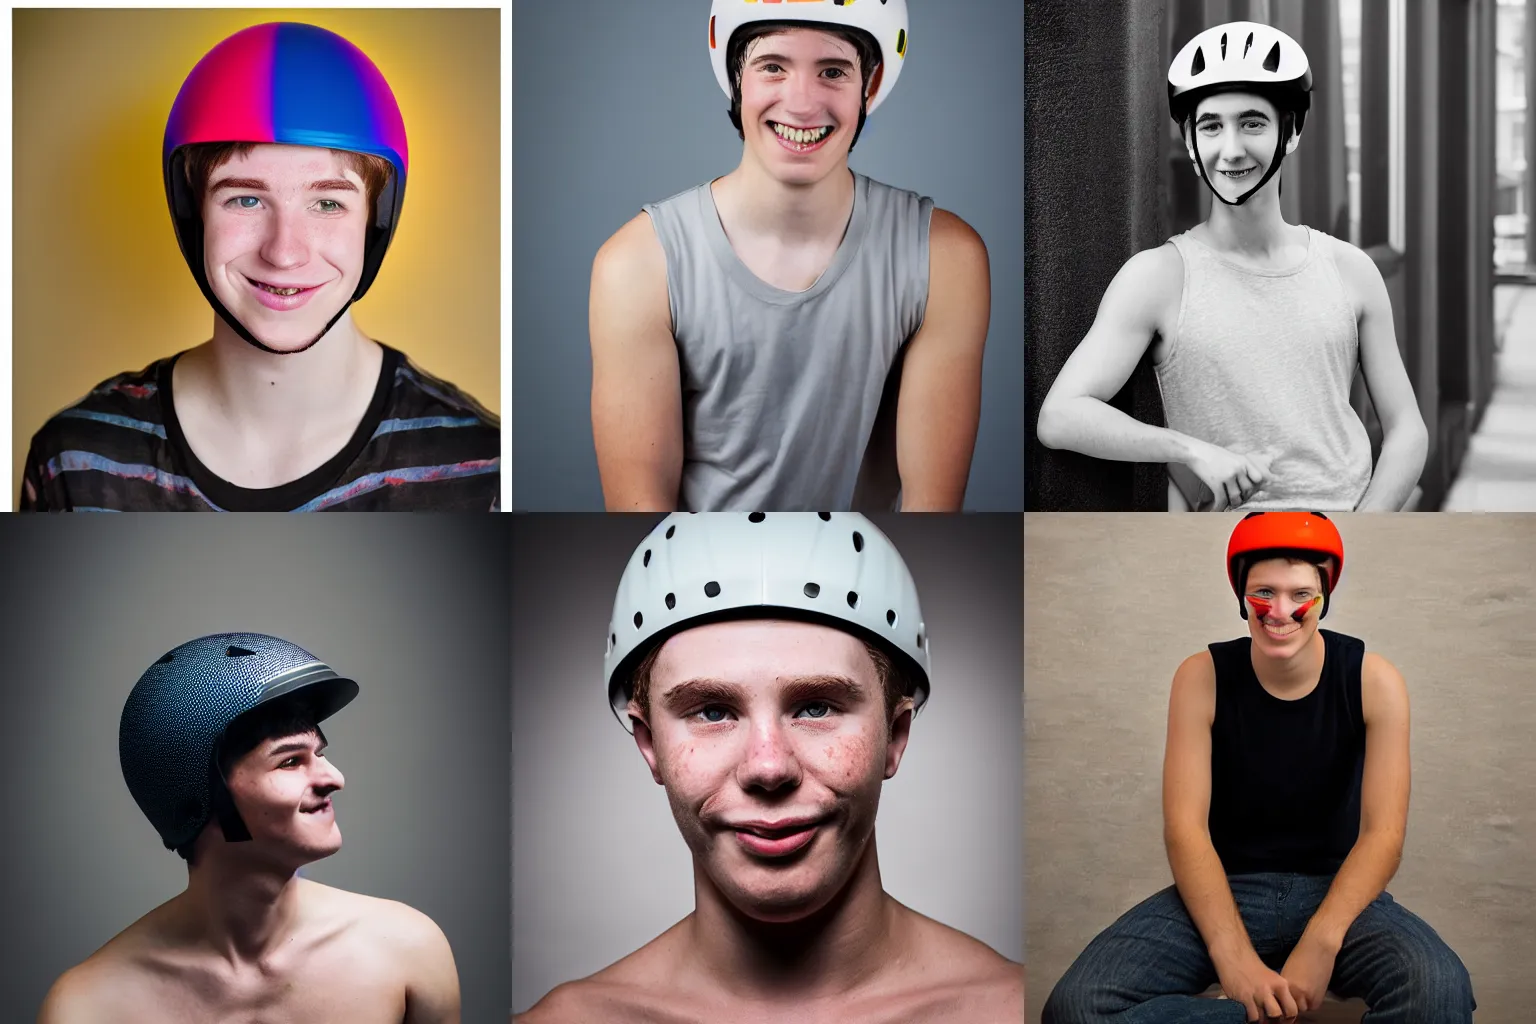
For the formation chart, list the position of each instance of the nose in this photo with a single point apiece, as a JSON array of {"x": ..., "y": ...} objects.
[
  {"x": 800, "y": 95},
  {"x": 1231, "y": 145},
  {"x": 286, "y": 244},
  {"x": 770, "y": 762},
  {"x": 327, "y": 778}
]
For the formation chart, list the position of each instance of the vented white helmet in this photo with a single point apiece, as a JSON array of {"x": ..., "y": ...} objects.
[
  {"x": 885, "y": 20},
  {"x": 836, "y": 568},
  {"x": 1242, "y": 56}
]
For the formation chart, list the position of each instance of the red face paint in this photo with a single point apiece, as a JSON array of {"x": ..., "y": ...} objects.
[
  {"x": 1261, "y": 607},
  {"x": 1301, "y": 613}
]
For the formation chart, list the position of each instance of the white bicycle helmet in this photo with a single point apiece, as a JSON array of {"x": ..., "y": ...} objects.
[
  {"x": 1242, "y": 56},
  {"x": 836, "y": 568},
  {"x": 885, "y": 20}
]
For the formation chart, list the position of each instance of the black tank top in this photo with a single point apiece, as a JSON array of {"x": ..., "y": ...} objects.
[{"x": 1285, "y": 774}]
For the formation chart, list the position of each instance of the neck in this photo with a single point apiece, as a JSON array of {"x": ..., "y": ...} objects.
[
  {"x": 240, "y": 910},
  {"x": 751, "y": 199},
  {"x": 1255, "y": 227},
  {"x": 1298, "y": 672},
  {"x": 266, "y": 389},
  {"x": 826, "y": 954}
]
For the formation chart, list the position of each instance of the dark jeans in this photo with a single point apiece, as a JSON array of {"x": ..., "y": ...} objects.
[{"x": 1149, "y": 966}]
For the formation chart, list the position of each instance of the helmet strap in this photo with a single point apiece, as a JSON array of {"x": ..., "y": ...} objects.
[{"x": 230, "y": 822}]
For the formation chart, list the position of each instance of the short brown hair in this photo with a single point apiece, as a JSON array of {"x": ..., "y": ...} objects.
[
  {"x": 201, "y": 159},
  {"x": 894, "y": 680},
  {"x": 736, "y": 56}
]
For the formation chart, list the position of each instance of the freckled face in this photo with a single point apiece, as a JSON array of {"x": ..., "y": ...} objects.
[{"x": 771, "y": 740}]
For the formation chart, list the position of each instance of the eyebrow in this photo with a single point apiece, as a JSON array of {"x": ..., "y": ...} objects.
[
  {"x": 1245, "y": 115},
  {"x": 797, "y": 690},
  {"x": 295, "y": 747},
  {"x": 257, "y": 185},
  {"x": 841, "y": 62}
]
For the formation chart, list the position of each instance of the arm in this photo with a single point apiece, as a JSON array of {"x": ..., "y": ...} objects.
[
  {"x": 1405, "y": 440},
  {"x": 1197, "y": 870},
  {"x": 34, "y": 496},
  {"x": 637, "y": 405},
  {"x": 1383, "y": 806},
  {"x": 939, "y": 405},
  {"x": 432, "y": 980}
]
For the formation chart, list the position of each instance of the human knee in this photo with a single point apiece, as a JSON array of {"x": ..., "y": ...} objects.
[
  {"x": 1439, "y": 989},
  {"x": 1071, "y": 1002}
]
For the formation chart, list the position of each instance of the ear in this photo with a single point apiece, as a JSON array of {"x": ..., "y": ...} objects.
[
  {"x": 900, "y": 732},
  {"x": 1187, "y": 133},
  {"x": 644, "y": 740},
  {"x": 1290, "y": 147}
]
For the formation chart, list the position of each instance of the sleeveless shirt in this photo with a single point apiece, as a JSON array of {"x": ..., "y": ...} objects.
[
  {"x": 1285, "y": 774},
  {"x": 781, "y": 389},
  {"x": 1262, "y": 361}
]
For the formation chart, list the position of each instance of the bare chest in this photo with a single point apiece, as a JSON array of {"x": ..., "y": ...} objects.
[
  {"x": 948, "y": 1005},
  {"x": 337, "y": 986}
]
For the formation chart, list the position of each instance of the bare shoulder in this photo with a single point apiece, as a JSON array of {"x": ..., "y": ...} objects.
[
  {"x": 953, "y": 237},
  {"x": 631, "y": 255},
  {"x": 1147, "y": 288},
  {"x": 1381, "y": 683},
  {"x": 100, "y": 986},
  {"x": 1360, "y": 273},
  {"x": 963, "y": 979},
  {"x": 396, "y": 927},
  {"x": 637, "y": 987},
  {"x": 1196, "y": 673}
]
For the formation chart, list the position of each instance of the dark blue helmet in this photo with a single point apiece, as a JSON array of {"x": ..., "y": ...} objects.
[{"x": 177, "y": 715}]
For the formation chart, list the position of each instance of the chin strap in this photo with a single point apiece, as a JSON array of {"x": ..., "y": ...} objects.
[{"x": 1274, "y": 165}]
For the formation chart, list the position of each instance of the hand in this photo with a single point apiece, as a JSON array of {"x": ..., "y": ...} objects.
[
  {"x": 1231, "y": 478},
  {"x": 1265, "y": 994},
  {"x": 1308, "y": 970}
]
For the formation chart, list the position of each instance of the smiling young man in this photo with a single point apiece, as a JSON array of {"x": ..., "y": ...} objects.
[
  {"x": 222, "y": 750},
  {"x": 1285, "y": 804},
  {"x": 793, "y": 335},
  {"x": 285, "y": 165},
  {"x": 1255, "y": 326},
  {"x": 771, "y": 667}
]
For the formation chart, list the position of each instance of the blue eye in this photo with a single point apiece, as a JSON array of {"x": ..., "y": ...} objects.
[
  {"x": 247, "y": 202},
  {"x": 330, "y": 206},
  {"x": 705, "y": 713},
  {"x": 826, "y": 709}
]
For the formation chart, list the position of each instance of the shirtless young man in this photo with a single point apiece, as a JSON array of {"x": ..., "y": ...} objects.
[
  {"x": 1285, "y": 806},
  {"x": 771, "y": 671},
  {"x": 746, "y": 334},
  {"x": 221, "y": 747},
  {"x": 1255, "y": 326},
  {"x": 285, "y": 165}
]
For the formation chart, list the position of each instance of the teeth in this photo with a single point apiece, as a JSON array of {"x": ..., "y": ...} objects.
[
  {"x": 804, "y": 136},
  {"x": 277, "y": 291}
]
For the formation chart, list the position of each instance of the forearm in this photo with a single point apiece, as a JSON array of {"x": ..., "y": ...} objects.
[
  {"x": 1397, "y": 472},
  {"x": 1361, "y": 878},
  {"x": 1093, "y": 427},
  {"x": 1202, "y": 883}
]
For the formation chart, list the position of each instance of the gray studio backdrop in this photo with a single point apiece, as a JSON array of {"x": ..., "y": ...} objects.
[
  {"x": 598, "y": 866},
  {"x": 415, "y": 608},
  {"x": 615, "y": 106},
  {"x": 1115, "y": 602}
]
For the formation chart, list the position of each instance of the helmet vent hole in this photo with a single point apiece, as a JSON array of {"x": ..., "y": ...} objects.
[
  {"x": 170, "y": 657},
  {"x": 853, "y": 599},
  {"x": 858, "y": 541},
  {"x": 639, "y": 619},
  {"x": 711, "y": 589},
  {"x": 646, "y": 561},
  {"x": 671, "y": 530},
  {"x": 1272, "y": 59},
  {"x": 756, "y": 517},
  {"x": 1223, "y": 46},
  {"x": 238, "y": 652},
  {"x": 890, "y": 617},
  {"x": 1248, "y": 45},
  {"x": 671, "y": 601},
  {"x": 812, "y": 590},
  {"x": 1197, "y": 65},
  {"x": 613, "y": 641},
  {"x": 919, "y": 638},
  {"x": 826, "y": 517}
]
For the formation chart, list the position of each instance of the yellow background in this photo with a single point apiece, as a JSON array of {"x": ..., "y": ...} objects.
[{"x": 100, "y": 286}]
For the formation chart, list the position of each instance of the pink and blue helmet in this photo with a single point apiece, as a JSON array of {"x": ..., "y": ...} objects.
[{"x": 286, "y": 82}]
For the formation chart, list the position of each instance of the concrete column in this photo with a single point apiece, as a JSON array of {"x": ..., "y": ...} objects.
[{"x": 1095, "y": 111}]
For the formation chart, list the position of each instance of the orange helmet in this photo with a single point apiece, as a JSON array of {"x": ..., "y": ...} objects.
[{"x": 1306, "y": 535}]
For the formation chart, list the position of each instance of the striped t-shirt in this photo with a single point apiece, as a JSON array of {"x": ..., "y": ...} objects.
[{"x": 423, "y": 445}]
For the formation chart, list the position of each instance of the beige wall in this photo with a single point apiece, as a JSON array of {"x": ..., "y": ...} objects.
[
  {"x": 1113, "y": 603},
  {"x": 99, "y": 283}
]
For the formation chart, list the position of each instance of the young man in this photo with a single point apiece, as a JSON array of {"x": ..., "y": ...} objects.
[
  {"x": 771, "y": 668},
  {"x": 1285, "y": 802},
  {"x": 1255, "y": 326},
  {"x": 221, "y": 747},
  {"x": 285, "y": 164},
  {"x": 793, "y": 335}
]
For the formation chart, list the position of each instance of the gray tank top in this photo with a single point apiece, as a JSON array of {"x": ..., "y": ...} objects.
[
  {"x": 782, "y": 390},
  {"x": 1261, "y": 361}
]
